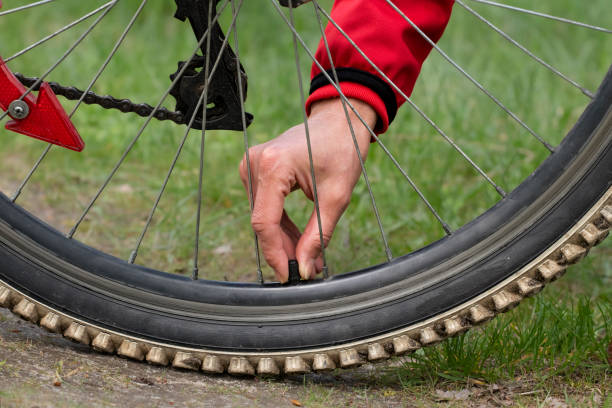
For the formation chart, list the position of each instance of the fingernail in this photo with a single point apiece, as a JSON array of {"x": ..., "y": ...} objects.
[{"x": 306, "y": 269}]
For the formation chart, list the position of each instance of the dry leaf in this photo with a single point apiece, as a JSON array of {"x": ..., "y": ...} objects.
[
  {"x": 460, "y": 395},
  {"x": 474, "y": 381},
  {"x": 223, "y": 249},
  {"x": 73, "y": 372},
  {"x": 57, "y": 384},
  {"x": 554, "y": 403},
  {"x": 125, "y": 189},
  {"x": 493, "y": 388},
  {"x": 296, "y": 403}
]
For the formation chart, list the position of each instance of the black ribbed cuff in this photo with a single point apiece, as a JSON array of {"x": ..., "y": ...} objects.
[{"x": 376, "y": 84}]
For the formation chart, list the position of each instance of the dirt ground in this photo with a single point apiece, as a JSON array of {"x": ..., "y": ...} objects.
[{"x": 40, "y": 369}]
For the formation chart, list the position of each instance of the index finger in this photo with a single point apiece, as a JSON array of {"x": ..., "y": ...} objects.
[{"x": 266, "y": 222}]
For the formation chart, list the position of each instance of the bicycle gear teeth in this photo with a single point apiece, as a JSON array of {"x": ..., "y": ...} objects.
[{"x": 592, "y": 231}]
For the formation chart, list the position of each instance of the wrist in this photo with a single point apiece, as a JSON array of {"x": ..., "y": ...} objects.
[
  {"x": 367, "y": 92},
  {"x": 333, "y": 110}
]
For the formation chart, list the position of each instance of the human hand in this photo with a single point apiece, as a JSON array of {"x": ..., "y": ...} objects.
[{"x": 281, "y": 166}]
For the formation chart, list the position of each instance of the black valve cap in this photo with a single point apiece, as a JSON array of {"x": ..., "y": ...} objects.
[{"x": 294, "y": 273}]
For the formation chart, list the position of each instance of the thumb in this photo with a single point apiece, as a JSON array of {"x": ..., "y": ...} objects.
[{"x": 309, "y": 246}]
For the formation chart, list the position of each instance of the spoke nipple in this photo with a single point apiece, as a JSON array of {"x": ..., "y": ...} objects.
[
  {"x": 194, "y": 273},
  {"x": 260, "y": 276},
  {"x": 389, "y": 254},
  {"x": 501, "y": 191},
  {"x": 447, "y": 228},
  {"x": 133, "y": 256}
]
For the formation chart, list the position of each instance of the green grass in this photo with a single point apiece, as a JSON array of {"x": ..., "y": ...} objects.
[
  {"x": 554, "y": 338},
  {"x": 553, "y": 345},
  {"x": 557, "y": 335}
]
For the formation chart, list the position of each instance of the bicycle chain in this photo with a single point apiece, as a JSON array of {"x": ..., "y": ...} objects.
[{"x": 107, "y": 101}]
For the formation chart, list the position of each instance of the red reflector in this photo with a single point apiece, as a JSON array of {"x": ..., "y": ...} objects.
[{"x": 47, "y": 119}]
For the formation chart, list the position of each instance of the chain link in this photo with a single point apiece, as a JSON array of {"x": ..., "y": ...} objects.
[{"x": 107, "y": 101}]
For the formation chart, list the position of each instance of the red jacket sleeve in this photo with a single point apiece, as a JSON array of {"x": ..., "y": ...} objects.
[{"x": 388, "y": 40}]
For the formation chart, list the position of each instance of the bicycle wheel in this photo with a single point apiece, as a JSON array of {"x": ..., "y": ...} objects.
[{"x": 485, "y": 267}]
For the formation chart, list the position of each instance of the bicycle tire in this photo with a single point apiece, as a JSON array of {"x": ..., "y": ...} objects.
[
  {"x": 486, "y": 267},
  {"x": 528, "y": 239}
]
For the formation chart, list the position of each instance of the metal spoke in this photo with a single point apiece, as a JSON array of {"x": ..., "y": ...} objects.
[
  {"x": 246, "y": 148},
  {"x": 58, "y": 32},
  {"x": 203, "y": 96},
  {"x": 307, "y": 132},
  {"x": 208, "y": 77},
  {"x": 110, "y": 56},
  {"x": 142, "y": 128},
  {"x": 352, "y": 130},
  {"x": 196, "y": 250},
  {"x": 27, "y": 6},
  {"x": 415, "y": 106},
  {"x": 526, "y": 51},
  {"x": 134, "y": 253},
  {"x": 537, "y": 13},
  {"x": 444, "y": 225},
  {"x": 31, "y": 173},
  {"x": 468, "y": 76},
  {"x": 194, "y": 273},
  {"x": 80, "y": 101},
  {"x": 65, "y": 55}
]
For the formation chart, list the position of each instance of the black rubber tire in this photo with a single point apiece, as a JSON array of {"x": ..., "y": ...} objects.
[{"x": 93, "y": 287}]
